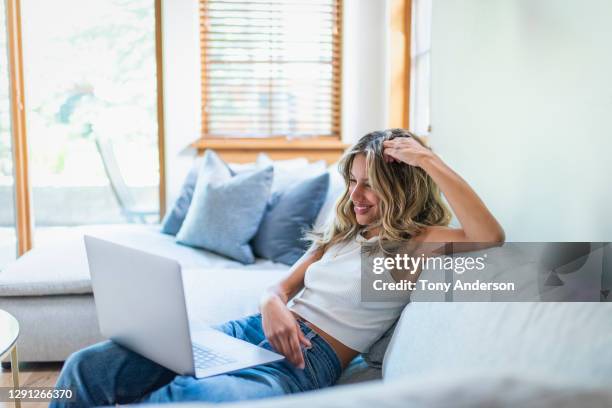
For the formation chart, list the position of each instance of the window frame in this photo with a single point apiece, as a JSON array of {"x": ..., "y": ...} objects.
[{"x": 278, "y": 145}]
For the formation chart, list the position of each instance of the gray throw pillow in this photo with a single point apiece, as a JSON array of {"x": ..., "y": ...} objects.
[
  {"x": 173, "y": 220},
  {"x": 171, "y": 224},
  {"x": 376, "y": 353},
  {"x": 225, "y": 212},
  {"x": 289, "y": 213}
]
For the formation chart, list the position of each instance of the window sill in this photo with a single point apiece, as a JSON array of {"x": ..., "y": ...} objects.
[{"x": 241, "y": 150}]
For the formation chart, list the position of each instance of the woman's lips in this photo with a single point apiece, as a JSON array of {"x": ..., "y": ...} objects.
[{"x": 361, "y": 208}]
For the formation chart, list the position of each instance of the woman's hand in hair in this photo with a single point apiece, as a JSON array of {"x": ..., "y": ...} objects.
[
  {"x": 283, "y": 331},
  {"x": 406, "y": 150}
]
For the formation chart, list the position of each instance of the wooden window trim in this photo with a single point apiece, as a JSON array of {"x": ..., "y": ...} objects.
[
  {"x": 274, "y": 143},
  {"x": 400, "y": 44},
  {"x": 242, "y": 150},
  {"x": 161, "y": 138},
  {"x": 23, "y": 219}
]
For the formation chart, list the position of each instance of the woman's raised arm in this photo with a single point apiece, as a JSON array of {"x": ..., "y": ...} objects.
[{"x": 477, "y": 222}]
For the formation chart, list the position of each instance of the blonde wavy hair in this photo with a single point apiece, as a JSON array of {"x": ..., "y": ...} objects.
[{"x": 409, "y": 198}]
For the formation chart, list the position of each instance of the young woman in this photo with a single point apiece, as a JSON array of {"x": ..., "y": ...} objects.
[{"x": 393, "y": 183}]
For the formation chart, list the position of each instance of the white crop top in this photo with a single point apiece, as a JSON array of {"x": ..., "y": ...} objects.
[{"x": 331, "y": 298}]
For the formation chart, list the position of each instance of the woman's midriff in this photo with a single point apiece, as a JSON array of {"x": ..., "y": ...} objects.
[{"x": 345, "y": 354}]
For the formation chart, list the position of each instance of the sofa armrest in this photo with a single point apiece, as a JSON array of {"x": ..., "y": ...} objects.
[{"x": 484, "y": 389}]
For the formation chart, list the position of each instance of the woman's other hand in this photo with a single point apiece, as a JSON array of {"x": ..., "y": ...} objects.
[
  {"x": 283, "y": 331},
  {"x": 406, "y": 150}
]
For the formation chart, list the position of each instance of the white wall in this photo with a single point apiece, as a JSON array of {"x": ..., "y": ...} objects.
[
  {"x": 364, "y": 87},
  {"x": 365, "y": 73},
  {"x": 180, "y": 30},
  {"x": 522, "y": 108}
]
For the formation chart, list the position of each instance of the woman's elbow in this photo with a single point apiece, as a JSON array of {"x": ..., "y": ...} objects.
[{"x": 495, "y": 236}]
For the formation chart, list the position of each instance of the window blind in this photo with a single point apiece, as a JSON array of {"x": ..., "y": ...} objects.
[{"x": 270, "y": 68}]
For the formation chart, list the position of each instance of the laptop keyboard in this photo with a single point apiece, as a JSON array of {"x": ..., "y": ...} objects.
[{"x": 206, "y": 358}]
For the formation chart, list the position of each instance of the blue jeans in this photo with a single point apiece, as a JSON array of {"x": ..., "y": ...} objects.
[{"x": 107, "y": 373}]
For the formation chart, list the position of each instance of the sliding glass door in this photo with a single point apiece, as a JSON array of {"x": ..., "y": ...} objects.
[{"x": 91, "y": 113}]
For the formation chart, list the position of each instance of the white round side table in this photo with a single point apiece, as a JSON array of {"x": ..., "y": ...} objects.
[{"x": 9, "y": 332}]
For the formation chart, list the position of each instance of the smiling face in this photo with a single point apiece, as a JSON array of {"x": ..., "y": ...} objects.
[
  {"x": 365, "y": 201},
  {"x": 391, "y": 200}
]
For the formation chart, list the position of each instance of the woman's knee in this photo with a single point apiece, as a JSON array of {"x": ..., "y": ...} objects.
[
  {"x": 95, "y": 352},
  {"x": 94, "y": 356}
]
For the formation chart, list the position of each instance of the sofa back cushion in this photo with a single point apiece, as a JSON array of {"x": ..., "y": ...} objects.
[
  {"x": 571, "y": 340},
  {"x": 288, "y": 215}
]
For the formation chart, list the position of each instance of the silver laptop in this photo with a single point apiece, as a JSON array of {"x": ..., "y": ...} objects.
[{"x": 141, "y": 305}]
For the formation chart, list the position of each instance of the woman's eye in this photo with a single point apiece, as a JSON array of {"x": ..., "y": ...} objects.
[{"x": 351, "y": 181}]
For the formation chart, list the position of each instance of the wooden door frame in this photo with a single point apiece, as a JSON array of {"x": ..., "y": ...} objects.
[
  {"x": 161, "y": 138},
  {"x": 23, "y": 219}
]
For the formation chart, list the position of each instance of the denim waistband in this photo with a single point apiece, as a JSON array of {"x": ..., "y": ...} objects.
[{"x": 327, "y": 348}]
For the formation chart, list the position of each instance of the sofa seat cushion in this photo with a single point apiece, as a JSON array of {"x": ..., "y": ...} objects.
[
  {"x": 61, "y": 267},
  {"x": 215, "y": 296}
]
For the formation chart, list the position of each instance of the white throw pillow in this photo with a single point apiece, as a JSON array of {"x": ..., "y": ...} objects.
[
  {"x": 263, "y": 160},
  {"x": 286, "y": 172},
  {"x": 335, "y": 190}
]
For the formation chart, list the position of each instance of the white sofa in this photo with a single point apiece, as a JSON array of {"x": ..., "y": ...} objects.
[
  {"x": 49, "y": 290},
  {"x": 441, "y": 354}
]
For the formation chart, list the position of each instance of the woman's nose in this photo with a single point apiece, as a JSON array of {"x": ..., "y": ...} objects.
[{"x": 357, "y": 193}]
